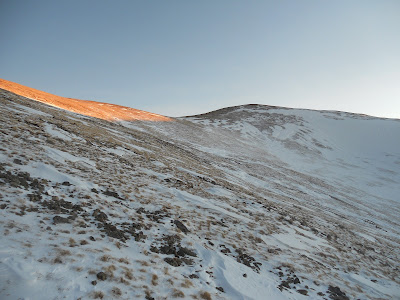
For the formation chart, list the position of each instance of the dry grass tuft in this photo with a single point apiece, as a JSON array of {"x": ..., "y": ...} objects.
[
  {"x": 186, "y": 284},
  {"x": 116, "y": 291},
  {"x": 124, "y": 261},
  {"x": 105, "y": 258},
  {"x": 154, "y": 279},
  {"x": 205, "y": 295},
  {"x": 98, "y": 295},
  {"x": 58, "y": 260},
  {"x": 64, "y": 252},
  {"x": 143, "y": 263},
  {"x": 178, "y": 294},
  {"x": 72, "y": 242},
  {"x": 128, "y": 274}
]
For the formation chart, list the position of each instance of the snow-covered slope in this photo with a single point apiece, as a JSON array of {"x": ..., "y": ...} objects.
[{"x": 249, "y": 202}]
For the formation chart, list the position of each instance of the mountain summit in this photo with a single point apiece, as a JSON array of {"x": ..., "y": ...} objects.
[{"x": 247, "y": 202}]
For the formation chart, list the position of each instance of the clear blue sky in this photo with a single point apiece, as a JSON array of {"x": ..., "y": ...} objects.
[{"x": 187, "y": 57}]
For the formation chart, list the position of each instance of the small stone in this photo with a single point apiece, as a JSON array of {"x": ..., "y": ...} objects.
[
  {"x": 336, "y": 293},
  {"x": 191, "y": 276},
  {"x": 303, "y": 292},
  {"x": 175, "y": 262},
  {"x": 285, "y": 284},
  {"x": 220, "y": 288},
  {"x": 244, "y": 275},
  {"x": 58, "y": 260},
  {"x": 17, "y": 161},
  {"x": 60, "y": 220},
  {"x": 99, "y": 215},
  {"x": 181, "y": 226},
  {"x": 185, "y": 251},
  {"x": 101, "y": 276},
  {"x": 34, "y": 197},
  {"x": 94, "y": 282}
]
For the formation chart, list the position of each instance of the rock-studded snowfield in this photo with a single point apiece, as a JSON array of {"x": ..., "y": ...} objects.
[{"x": 248, "y": 202}]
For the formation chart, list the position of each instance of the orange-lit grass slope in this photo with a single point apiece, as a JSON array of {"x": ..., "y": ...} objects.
[{"x": 105, "y": 111}]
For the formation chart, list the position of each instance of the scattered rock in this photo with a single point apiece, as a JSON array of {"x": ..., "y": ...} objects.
[
  {"x": 141, "y": 210},
  {"x": 178, "y": 183},
  {"x": 157, "y": 215},
  {"x": 247, "y": 260},
  {"x": 172, "y": 246},
  {"x": 207, "y": 180},
  {"x": 139, "y": 236},
  {"x": 188, "y": 261},
  {"x": 21, "y": 179},
  {"x": 225, "y": 250},
  {"x": 284, "y": 284},
  {"x": 191, "y": 276},
  {"x": 220, "y": 288}
]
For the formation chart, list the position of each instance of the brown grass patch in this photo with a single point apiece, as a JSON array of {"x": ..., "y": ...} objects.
[
  {"x": 186, "y": 284},
  {"x": 205, "y": 295},
  {"x": 154, "y": 279},
  {"x": 98, "y": 295},
  {"x": 178, "y": 294}
]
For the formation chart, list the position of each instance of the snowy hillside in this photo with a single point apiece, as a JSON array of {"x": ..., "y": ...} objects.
[{"x": 248, "y": 202}]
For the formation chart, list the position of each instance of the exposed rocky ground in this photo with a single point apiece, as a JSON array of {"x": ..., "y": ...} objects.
[{"x": 250, "y": 202}]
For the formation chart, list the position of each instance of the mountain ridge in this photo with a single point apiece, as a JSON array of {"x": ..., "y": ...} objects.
[
  {"x": 267, "y": 107},
  {"x": 106, "y": 111}
]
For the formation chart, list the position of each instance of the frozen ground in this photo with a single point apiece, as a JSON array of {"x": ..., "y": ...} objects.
[{"x": 249, "y": 202}]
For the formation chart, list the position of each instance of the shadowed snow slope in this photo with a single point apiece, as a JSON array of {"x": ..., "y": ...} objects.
[
  {"x": 105, "y": 111},
  {"x": 247, "y": 202}
]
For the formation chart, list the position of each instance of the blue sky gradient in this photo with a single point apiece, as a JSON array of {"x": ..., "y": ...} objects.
[{"x": 188, "y": 57}]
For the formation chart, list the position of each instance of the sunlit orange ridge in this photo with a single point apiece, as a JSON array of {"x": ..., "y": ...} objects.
[{"x": 105, "y": 111}]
